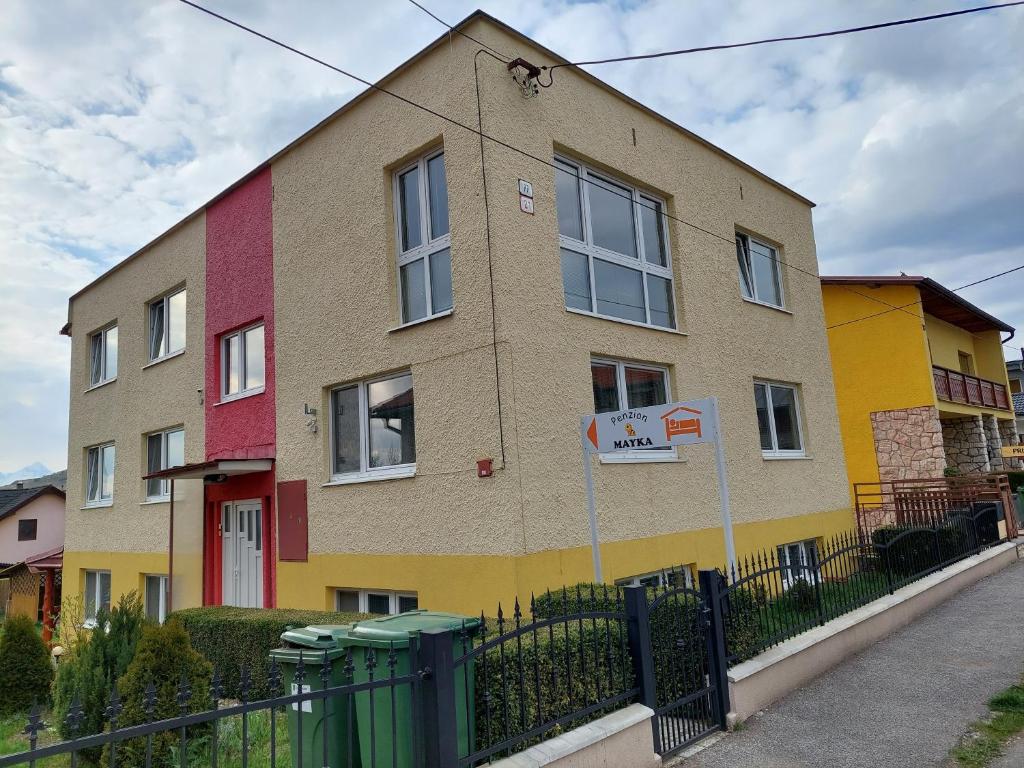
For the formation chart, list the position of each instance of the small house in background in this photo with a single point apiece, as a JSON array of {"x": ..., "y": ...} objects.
[
  {"x": 1015, "y": 373},
  {"x": 921, "y": 385}
]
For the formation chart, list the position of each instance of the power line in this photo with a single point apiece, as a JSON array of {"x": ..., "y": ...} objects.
[
  {"x": 506, "y": 145},
  {"x": 914, "y": 303},
  {"x": 438, "y": 19},
  {"x": 788, "y": 38}
]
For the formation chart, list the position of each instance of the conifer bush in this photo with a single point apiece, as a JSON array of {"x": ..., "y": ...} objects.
[{"x": 25, "y": 670}]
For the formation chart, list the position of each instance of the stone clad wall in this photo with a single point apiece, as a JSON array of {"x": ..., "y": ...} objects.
[
  {"x": 1009, "y": 436},
  {"x": 966, "y": 445},
  {"x": 908, "y": 443},
  {"x": 993, "y": 442}
]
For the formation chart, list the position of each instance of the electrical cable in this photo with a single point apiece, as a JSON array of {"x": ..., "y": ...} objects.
[
  {"x": 788, "y": 38},
  {"x": 504, "y": 144},
  {"x": 504, "y": 56}
]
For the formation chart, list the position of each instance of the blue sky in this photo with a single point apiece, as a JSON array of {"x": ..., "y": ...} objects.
[{"x": 116, "y": 119}]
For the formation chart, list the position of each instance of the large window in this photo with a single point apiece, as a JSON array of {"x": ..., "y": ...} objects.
[
  {"x": 760, "y": 275},
  {"x": 778, "y": 419},
  {"x": 243, "y": 363},
  {"x": 167, "y": 325},
  {"x": 97, "y": 594},
  {"x": 424, "y": 243},
  {"x": 164, "y": 450},
  {"x": 373, "y": 429},
  {"x": 99, "y": 475},
  {"x": 28, "y": 529},
  {"x": 798, "y": 560},
  {"x": 614, "y": 248},
  {"x": 618, "y": 386},
  {"x": 156, "y": 598},
  {"x": 380, "y": 601},
  {"x": 103, "y": 356}
]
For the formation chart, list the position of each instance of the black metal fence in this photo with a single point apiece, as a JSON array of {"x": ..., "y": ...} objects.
[{"x": 778, "y": 594}]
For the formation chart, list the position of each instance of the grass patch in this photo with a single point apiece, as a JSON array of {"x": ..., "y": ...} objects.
[
  {"x": 13, "y": 739},
  {"x": 984, "y": 742}
]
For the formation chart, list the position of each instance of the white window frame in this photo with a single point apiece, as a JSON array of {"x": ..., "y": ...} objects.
[
  {"x": 746, "y": 238},
  {"x": 162, "y": 602},
  {"x": 225, "y": 396},
  {"x": 366, "y": 472},
  {"x": 90, "y": 621},
  {"x": 100, "y": 500},
  {"x": 364, "y": 598},
  {"x": 774, "y": 452},
  {"x": 430, "y": 244},
  {"x": 639, "y": 456},
  {"x": 102, "y": 335},
  {"x": 587, "y": 248},
  {"x": 165, "y": 301},
  {"x": 165, "y": 484},
  {"x": 662, "y": 578},
  {"x": 786, "y": 575}
]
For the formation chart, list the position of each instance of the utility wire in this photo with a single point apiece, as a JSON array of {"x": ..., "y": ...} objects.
[
  {"x": 788, "y": 38},
  {"x": 438, "y": 19},
  {"x": 914, "y": 303},
  {"x": 504, "y": 144}
]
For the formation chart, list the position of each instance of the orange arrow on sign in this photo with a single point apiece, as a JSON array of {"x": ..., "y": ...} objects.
[{"x": 592, "y": 432}]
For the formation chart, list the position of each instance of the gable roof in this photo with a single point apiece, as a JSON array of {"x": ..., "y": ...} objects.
[
  {"x": 936, "y": 300},
  {"x": 355, "y": 100},
  {"x": 13, "y": 499}
]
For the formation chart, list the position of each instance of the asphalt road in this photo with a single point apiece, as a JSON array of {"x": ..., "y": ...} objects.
[{"x": 902, "y": 703}]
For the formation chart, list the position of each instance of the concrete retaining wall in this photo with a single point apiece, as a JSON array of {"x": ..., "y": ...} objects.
[
  {"x": 623, "y": 738},
  {"x": 756, "y": 683}
]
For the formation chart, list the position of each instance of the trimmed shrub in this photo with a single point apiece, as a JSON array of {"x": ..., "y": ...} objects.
[
  {"x": 907, "y": 551},
  {"x": 230, "y": 638},
  {"x": 742, "y": 611},
  {"x": 165, "y": 658},
  {"x": 801, "y": 596},
  {"x": 90, "y": 666},
  {"x": 25, "y": 671}
]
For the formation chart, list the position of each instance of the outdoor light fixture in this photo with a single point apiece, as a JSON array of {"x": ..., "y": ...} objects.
[{"x": 214, "y": 479}]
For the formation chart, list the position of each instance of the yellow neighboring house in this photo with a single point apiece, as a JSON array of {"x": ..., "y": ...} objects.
[
  {"x": 363, "y": 365},
  {"x": 920, "y": 381}
]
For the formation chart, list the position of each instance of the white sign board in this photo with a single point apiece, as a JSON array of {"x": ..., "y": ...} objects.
[{"x": 657, "y": 426}]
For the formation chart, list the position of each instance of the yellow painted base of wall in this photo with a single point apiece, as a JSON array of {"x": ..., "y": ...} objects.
[{"x": 466, "y": 583}]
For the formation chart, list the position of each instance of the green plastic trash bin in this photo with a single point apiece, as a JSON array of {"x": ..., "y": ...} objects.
[
  {"x": 386, "y": 728},
  {"x": 333, "y": 714}
]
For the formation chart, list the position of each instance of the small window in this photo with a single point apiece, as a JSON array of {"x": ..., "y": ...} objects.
[
  {"x": 760, "y": 275},
  {"x": 156, "y": 598},
  {"x": 379, "y": 601},
  {"x": 966, "y": 361},
  {"x": 373, "y": 427},
  {"x": 27, "y": 529},
  {"x": 243, "y": 363},
  {"x": 99, "y": 475},
  {"x": 97, "y": 594},
  {"x": 167, "y": 325},
  {"x": 798, "y": 560},
  {"x": 670, "y": 578},
  {"x": 778, "y": 419},
  {"x": 103, "y": 356},
  {"x": 1015, "y": 386},
  {"x": 164, "y": 450},
  {"x": 619, "y": 385},
  {"x": 424, "y": 242},
  {"x": 614, "y": 248}
]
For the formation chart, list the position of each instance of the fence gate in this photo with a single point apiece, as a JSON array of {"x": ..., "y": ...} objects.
[{"x": 680, "y": 651}]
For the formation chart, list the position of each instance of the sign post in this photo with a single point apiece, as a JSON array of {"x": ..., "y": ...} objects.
[{"x": 657, "y": 426}]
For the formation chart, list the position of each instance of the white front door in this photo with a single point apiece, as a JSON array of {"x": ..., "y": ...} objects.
[{"x": 242, "y": 533}]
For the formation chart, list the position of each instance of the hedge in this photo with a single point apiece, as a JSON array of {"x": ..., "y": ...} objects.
[
  {"x": 232, "y": 637},
  {"x": 907, "y": 551}
]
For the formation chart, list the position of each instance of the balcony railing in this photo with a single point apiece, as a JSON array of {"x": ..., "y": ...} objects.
[{"x": 959, "y": 387}]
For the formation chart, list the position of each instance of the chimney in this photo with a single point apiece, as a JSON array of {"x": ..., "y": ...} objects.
[{"x": 19, "y": 485}]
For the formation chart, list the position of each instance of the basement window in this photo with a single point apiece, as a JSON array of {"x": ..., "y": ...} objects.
[
  {"x": 798, "y": 560},
  {"x": 380, "y": 601}
]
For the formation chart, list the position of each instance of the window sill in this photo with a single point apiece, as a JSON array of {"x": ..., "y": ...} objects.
[
  {"x": 421, "y": 321},
  {"x": 159, "y": 360},
  {"x": 776, "y": 307},
  {"x": 785, "y": 456},
  {"x": 372, "y": 477},
  {"x": 100, "y": 384},
  {"x": 635, "y": 324},
  {"x": 638, "y": 457},
  {"x": 155, "y": 500},
  {"x": 99, "y": 504},
  {"x": 240, "y": 396}
]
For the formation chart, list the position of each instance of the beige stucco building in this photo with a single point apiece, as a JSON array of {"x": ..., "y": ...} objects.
[{"x": 384, "y": 304}]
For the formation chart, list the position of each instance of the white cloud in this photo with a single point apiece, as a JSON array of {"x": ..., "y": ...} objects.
[{"x": 116, "y": 119}]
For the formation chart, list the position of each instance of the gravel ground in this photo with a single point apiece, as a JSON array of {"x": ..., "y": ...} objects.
[{"x": 903, "y": 702}]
